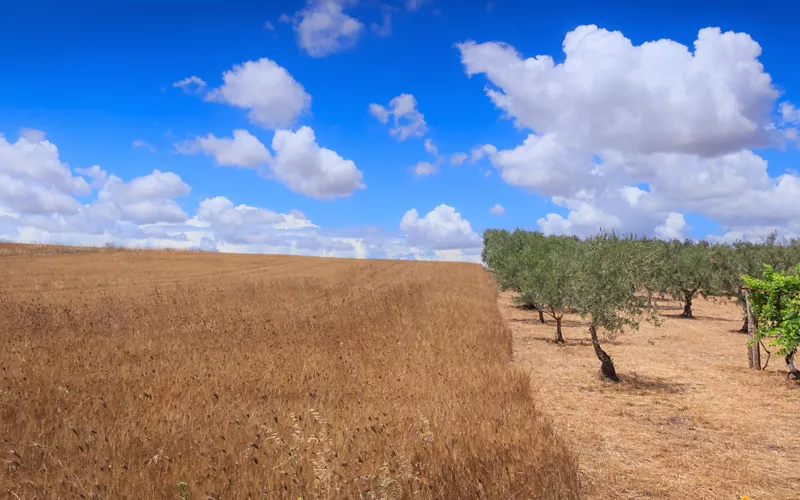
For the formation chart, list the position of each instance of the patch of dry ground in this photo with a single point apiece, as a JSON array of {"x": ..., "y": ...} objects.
[
  {"x": 689, "y": 419},
  {"x": 124, "y": 373}
]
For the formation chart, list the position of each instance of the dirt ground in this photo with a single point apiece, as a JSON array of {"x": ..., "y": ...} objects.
[{"x": 689, "y": 420}]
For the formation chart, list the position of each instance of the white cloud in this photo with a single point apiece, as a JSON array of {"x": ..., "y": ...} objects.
[
  {"x": 33, "y": 180},
  {"x": 656, "y": 126},
  {"x": 543, "y": 164},
  {"x": 32, "y": 135},
  {"x": 323, "y": 28},
  {"x": 441, "y": 229},
  {"x": 408, "y": 121},
  {"x": 145, "y": 200},
  {"x": 478, "y": 152},
  {"x": 246, "y": 225},
  {"x": 191, "y": 84},
  {"x": 458, "y": 158},
  {"x": 424, "y": 169},
  {"x": 221, "y": 211},
  {"x": 583, "y": 219},
  {"x": 269, "y": 26},
  {"x": 789, "y": 112},
  {"x": 144, "y": 145},
  {"x": 497, "y": 209},
  {"x": 242, "y": 150},
  {"x": 431, "y": 148},
  {"x": 98, "y": 175},
  {"x": 379, "y": 112},
  {"x": 673, "y": 228},
  {"x": 655, "y": 97},
  {"x": 144, "y": 213},
  {"x": 274, "y": 99},
  {"x": 306, "y": 168}
]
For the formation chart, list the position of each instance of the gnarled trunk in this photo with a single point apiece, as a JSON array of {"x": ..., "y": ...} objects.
[
  {"x": 793, "y": 372},
  {"x": 559, "y": 336},
  {"x": 607, "y": 371},
  {"x": 541, "y": 316},
  {"x": 743, "y": 329},
  {"x": 687, "y": 305}
]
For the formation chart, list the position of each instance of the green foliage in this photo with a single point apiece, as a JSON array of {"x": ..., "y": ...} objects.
[
  {"x": 612, "y": 270},
  {"x": 183, "y": 490},
  {"x": 557, "y": 273},
  {"x": 775, "y": 302}
]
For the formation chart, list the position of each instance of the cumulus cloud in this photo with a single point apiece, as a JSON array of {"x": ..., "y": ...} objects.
[
  {"x": 98, "y": 175},
  {"x": 789, "y": 112},
  {"x": 145, "y": 212},
  {"x": 272, "y": 96},
  {"x": 148, "y": 199},
  {"x": 306, "y": 168},
  {"x": 222, "y": 212},
  {"x": 408, "y": 121},
  {"x": 440, "y": 229},
  {"x": 542, "y": 164},
  {"x": 33, "y": 180},
  {"x": 32, "y": 135},
  {"x": 323, "y": 28},
  {"x": 299, "y": 162},
  {"x": 654, "y": 97},
  {"x": 242, "y": 150},
  {"x": 673, "y": 228},
  {"x": 497, "y": 209},
  {"x": 658, "y": 126}
]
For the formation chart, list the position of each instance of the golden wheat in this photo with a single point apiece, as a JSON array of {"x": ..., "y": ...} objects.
[{"x": 123, "y": 374}]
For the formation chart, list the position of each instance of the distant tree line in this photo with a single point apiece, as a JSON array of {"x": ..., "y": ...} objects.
[{"x": 612, "y": 279}]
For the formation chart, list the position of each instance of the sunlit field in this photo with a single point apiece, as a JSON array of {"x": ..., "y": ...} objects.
[{"x": 154, "y": 374}]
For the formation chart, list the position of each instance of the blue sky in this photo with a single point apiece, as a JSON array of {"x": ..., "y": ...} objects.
[{"x": 97, "y": 76}]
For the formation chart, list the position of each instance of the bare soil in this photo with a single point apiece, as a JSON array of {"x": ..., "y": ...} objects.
[{"x": 688, "y": 420}]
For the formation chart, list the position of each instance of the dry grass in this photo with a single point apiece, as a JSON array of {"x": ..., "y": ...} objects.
[
  {"x": 689, "y": 419},
  {"x": 125, "y": 373}
]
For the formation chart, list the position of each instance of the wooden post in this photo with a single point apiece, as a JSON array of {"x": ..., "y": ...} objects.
[{"x": 753, "y": 348}]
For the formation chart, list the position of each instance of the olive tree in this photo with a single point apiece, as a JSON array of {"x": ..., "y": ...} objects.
[
  {"x": 528, "y": 268},
  {"x": 688, "y": 272},
  {"x": 559, "y": 270},
  {"x": 610, "y": 276}
]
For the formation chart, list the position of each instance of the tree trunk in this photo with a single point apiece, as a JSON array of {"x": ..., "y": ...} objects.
[
  {"x": 559, "y": 336},
  {"x": 793, "y": 372},
  {"x": 743, "y": 329},
  {"x": 541, "y": 316},
  {"x": 687, "y": 305},
  {"x": 649, "y": 297},
  {"x": 754, "y": 347},
  {"x": 607, "y": 371}
]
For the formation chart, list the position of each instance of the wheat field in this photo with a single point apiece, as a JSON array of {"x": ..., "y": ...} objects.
[{"x": 150, "y": 374}]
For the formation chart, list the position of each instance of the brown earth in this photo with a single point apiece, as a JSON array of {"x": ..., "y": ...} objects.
[
  {"x": 688, "y": 421},
  {"x": 124, "y": 373}
]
